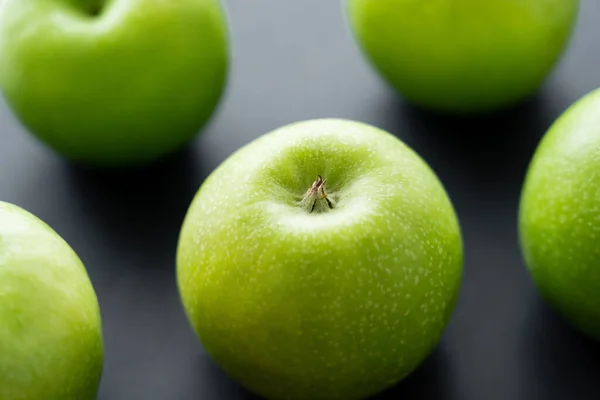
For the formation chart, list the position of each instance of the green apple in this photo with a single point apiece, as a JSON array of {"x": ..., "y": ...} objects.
[
  {"x": 560, "y": 215},
  {"x": 113, "y": 82},
  {"x": 51, "y": 345},
  {"x": 320, "y": 261},
  {"x": 463, "y": 56}
]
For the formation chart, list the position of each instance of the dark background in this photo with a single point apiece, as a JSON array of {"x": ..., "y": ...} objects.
[{"x": 295, "y": 60}]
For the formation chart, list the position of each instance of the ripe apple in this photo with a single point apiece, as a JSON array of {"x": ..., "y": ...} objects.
[
  {"x": 320, "y": 261},
  {"x": 51, "y": 344},
  {"x": 113, "y": 83},
  {"x": 463, "y": 56},
  {"x": 560, "y": 215}
]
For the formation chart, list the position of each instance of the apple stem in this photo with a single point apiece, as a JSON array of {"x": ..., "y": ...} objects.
[{"x": 314, "y": 195}]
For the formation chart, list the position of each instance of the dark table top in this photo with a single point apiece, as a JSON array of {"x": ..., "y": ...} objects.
[{"x": 295, "y": 60}]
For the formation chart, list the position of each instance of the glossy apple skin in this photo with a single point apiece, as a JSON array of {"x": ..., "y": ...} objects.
[
  {"x": 560, "y": 215},
  {"x": 336, "y": 304},
  {"x": 125, "y": 87},
  {"x": 463, "y": 56},
  {"x": 51, "y": 343}
]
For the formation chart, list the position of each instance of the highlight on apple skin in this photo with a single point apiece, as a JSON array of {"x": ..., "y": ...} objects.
[
  {"x": 320, "y": 261},
  {"x": 113, "y": 83},
  {"x": 51, "y": 344},
  {"x": 462, "y": 56},
  {"x": 559, "y": 215}
]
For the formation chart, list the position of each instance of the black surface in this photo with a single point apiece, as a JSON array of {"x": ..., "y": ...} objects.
[{"x": 295, "y": 60}]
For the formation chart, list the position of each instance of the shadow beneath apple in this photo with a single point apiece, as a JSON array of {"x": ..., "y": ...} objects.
[
  {"x": 139, "y": 209},
  {"x": 561, "y": 362},
  {"x": 488, "y": 152},
  {"x": 214, "y": 383},
  {"x": 431, "y": 380}
]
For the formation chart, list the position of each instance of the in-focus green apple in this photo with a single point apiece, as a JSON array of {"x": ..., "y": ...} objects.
[
  {"x": 463, "y": 56},
  {"x": 560, "y": 215},
  {"x": 320, "y": 261},
  {"x": 51, "y": 345},
  {"x": 113, "y": 82}
]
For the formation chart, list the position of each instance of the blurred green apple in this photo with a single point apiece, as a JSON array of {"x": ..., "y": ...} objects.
[
  {"x": 463, "y": 56},
  {"x": 51, "y": 345},
  {"x": 113, "y": 82},
  {"x": 560, "y": 215},
  {"x": 320, "y": 261}
]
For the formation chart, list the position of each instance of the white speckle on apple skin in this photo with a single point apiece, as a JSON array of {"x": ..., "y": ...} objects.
[{"x": 376, "y": 275}]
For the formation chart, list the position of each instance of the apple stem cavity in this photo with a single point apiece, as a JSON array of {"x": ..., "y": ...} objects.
[
  {"x": 315, "y": 198},
  {"x": 94, "y": 7}
]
